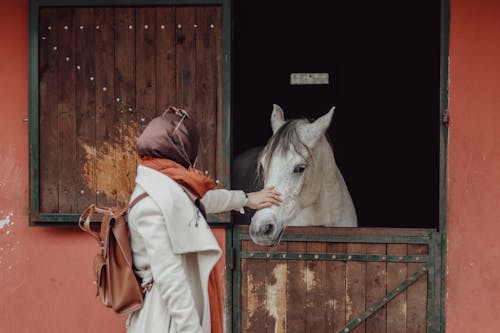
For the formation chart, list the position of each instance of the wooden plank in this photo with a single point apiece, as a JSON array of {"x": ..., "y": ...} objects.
[
  {"x": 166, "y": 88},
  {"x": 416, "y": 318},
  {"x": 85, "y": 107},
  {"x": 220, "y": 173},
  {"x": 376, "y": 283},
  {"x": 335, "y": 289},
  {"x": 296, "y": 290},
  {"x": 48, "y": 73},
  {"x": 106, "y": 137},
  {"x": 66, "y": 95},
  {"x": 256, "y": 293},
  {"x": 396, "y": 273},
  {"x": 244, "y": 324},
  {"x": 355, "y": 286},
  {"x": 145, "y": 87},
  {"x": 186, "y": 59},
  {"x": 125, "y": 102},
  {"x": 316, "y": 290},
  {"x": 276, "y": 303},
  {"x": 205, "y": 103},
  {"x": 356, "y": 231}
]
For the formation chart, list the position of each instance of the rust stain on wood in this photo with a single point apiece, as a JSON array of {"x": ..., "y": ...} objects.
[{"x": 105, "y": 161}]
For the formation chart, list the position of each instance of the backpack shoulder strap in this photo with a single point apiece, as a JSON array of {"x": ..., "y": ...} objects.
[
  {"x": 136, "y": 200},
  {"x": 125, "y": 209},
  {"x": 87, "y": 215}
]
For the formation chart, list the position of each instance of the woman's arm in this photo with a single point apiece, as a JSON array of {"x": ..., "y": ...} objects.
[{"x": 217, "y": 201}]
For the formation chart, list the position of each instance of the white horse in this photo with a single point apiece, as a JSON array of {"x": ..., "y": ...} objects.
[{"x": 298, "y": 161}]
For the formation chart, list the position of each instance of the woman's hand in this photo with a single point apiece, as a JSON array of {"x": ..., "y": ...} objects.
[{"x": 264, "y": 198}]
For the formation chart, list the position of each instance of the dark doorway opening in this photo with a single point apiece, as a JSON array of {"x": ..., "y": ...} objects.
[{"x": 382, "y": 58}]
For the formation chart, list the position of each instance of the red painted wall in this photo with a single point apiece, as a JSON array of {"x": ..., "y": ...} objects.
[
  {"x": 473, "y": 282},
  {"x": 45, "y": 273}
]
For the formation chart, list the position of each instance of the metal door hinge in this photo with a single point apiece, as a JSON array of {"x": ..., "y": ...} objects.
[{"x": 445, "y": 118}]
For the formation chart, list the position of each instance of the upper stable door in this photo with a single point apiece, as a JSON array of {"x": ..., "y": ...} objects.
[
  {"x": 104, "y": 73},
  {"x": 382, "y": 59}
]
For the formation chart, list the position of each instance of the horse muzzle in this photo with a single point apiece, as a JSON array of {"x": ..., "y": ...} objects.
[{"x": 265, "y": 232}]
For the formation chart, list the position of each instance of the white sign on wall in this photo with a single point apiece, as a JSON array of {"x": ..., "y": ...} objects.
[{"x": 309, "y": 78}]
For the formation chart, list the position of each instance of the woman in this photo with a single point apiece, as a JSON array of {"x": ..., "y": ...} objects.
[{"x": 173, "y": 248}]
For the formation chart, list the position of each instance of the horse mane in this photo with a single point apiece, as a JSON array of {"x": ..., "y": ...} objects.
[{"x": 285, "y": 137}]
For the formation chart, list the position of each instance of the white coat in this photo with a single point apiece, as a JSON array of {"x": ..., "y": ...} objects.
[{"x": 173, "y": 245}]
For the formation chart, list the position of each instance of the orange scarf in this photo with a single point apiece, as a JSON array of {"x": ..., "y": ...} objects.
[
  {"x": 192, "y": 178},
  {"x": 199, "y": 184}
]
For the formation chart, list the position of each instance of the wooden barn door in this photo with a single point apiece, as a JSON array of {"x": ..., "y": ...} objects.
[
  {"x": 104, "y": 73},
  {"x": 338, "y": 280}
]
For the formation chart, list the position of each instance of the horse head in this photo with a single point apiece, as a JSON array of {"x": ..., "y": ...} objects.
[{"x": 292, "y": 162}]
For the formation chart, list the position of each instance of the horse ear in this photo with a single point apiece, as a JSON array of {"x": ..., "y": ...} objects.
[
  {"x": 277, "y": 118},
  {"x": 312, "y": 132}
]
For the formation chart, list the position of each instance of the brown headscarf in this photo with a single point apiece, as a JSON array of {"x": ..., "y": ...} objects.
[{"x": 172, "y": 135}]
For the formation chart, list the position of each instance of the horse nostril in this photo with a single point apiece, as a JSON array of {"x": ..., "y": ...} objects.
[{"x": 268, "y": 229}]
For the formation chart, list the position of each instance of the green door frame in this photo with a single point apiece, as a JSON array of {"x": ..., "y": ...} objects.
[{"x": 443, "y": 149}]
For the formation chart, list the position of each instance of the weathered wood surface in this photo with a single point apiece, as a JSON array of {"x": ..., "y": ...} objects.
[
  {"x": 356, "y": 286},
  {"x": 106, "y": 136},
  {"x": 296, "y": 290},
  {"x": 104, "y": 74},
  {"x": 316, "y": 290},
  {"x": 205, "y": 105},
  {"x": 49, "y": 198},
  {"x": 284, "y": 295},
  {"x": 276, "y": 297},
  {"x": 66, "y": 99},
  {"x": 336, "y": 289},
  {"x": 416, "y": 295},
  {"x": 376, "y": 287},
  {"x": 256, "y": 298},
  {"x": 85, "y": 107},
  {"x": 166, "y": 85},
  {"x": 396, "y": 272},
  {"x": 126, "y": 124}
]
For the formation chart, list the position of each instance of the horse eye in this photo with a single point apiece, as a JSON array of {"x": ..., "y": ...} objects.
[{"x": 299, "y": 168}]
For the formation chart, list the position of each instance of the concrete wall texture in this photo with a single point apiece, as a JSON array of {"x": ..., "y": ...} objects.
[{"x": 45, "y": 272}]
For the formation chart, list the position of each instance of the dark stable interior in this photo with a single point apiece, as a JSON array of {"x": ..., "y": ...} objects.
[{"x": 383, "y": 61}]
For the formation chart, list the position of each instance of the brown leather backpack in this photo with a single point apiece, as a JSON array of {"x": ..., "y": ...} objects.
[{"x": 116, "y": 283}]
